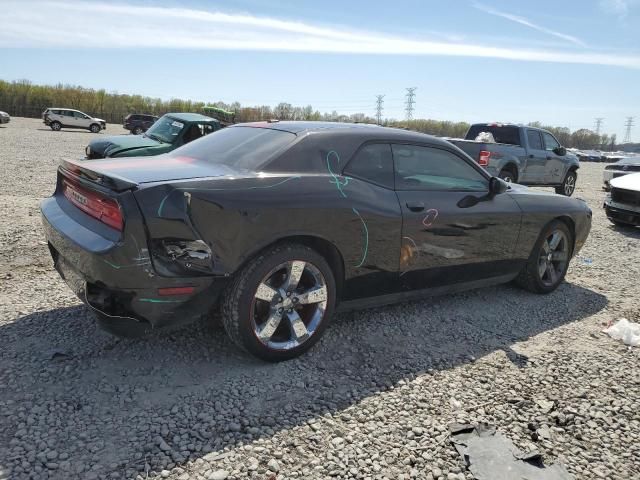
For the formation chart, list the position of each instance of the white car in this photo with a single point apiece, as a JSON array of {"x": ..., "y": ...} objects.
[
  {"x": 58, "y": 118},
  {"x": 622, "y": 205}
]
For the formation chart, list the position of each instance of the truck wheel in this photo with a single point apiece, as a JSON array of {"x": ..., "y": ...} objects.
[
  {"x": 568, "y": 184},
  {"x": 95, "y": 128},
  {"x": 55, "y": 126},
  {"x": 508, "y": 175},
  {"x": 549, "y": 259},
  {"x": 280, "y": 303}
]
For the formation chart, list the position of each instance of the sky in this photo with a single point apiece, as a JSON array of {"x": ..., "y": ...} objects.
[{"x": 562, "y": 63}]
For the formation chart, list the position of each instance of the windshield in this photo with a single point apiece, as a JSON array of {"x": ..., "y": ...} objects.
[
  {"x": 240, "y": 147},
  {"x": 165, "y": 130}
]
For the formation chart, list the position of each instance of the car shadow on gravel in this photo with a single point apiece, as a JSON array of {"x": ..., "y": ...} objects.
[
  {"x": 626, "y": 230},
  {"x": 171, "y": 397},
  {"x": 79, "y": 130}
]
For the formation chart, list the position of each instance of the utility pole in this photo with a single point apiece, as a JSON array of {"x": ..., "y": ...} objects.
[
  {"x": 379, "y": 102},
  {"x": 411, "y": 95},
  {"x": 628, "y": 124},
  {"x": 599, "y": 121}
]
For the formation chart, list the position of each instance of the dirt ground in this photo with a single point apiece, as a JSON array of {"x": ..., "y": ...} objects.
[{"x": 373, "y": 400}]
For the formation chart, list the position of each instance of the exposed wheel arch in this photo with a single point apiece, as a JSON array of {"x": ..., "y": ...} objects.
[
  {"x": 512, "y": 168},
  {"x": 568, "y": 221},
  {"x": 321, "y": 245}
]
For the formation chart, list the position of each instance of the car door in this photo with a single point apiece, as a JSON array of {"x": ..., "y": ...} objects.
[
  {"x": 67, "y": 118},
  {"x": 83, "y": 120},
  {"x": 554, "y": 169},
  {"x": 445, "y": 239},
  {"x": 534, "y": 171}
]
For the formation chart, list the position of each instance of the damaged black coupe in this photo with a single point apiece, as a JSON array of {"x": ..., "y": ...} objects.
[{"x": 280, "y": 224}]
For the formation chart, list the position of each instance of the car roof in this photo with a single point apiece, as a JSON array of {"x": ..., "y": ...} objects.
[
  {"x": 366, "y": 131},
  {"x": 65, "y": 108},
  {"x": 191, "y": 117}
]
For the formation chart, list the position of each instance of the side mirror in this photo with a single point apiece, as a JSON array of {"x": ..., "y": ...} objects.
[
  {"x": 560, "y": 151},
  {"x": 497, "y": 186}
]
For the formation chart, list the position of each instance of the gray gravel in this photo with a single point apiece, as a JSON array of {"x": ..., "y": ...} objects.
[{"x": 372, "y": 400}]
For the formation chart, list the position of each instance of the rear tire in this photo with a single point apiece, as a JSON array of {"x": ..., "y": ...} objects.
[
  {"x": 508, "y": 175},
  {"x": 137, "y": 131},
  {"x": 269, "y": 313},
  {"x": 548, "y": 263},
  {"x": 568, "y": 185},
  {"x": 95, "y": 128},
  {"x": 55, "y": 126}
]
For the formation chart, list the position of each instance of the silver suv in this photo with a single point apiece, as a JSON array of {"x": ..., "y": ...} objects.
[{"x": 57, "y": 118}]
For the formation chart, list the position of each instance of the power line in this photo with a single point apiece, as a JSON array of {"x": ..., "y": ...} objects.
[
  {"x": 599, "y": 121},
  {"x": 379, "y": 102},
  {"x": 628, "y": 124},
  {"x": 411, "y": 95}
]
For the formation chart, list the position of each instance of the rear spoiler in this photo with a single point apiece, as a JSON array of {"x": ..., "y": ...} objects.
[{"x": 82, "y": 169}]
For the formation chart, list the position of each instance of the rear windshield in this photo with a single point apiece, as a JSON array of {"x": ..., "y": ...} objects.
[
  {"x": 510, "y": 135},
  {"x": 240, "y": 147}
]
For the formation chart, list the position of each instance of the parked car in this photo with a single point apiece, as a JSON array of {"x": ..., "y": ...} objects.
[
  {"x": 58, "y": 118},
  {"x": 138, "y": 123},
  {"x": 281, "y": 224},
  {"x": 622, "y": 205},
  {"x": 525, "y": 155},
  {"x": 168, "y": 133},
  {"x": 622, "y": 167},
  {"x": 4, "y": 117}
]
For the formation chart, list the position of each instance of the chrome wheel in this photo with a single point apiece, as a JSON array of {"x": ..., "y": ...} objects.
[
  {"x": 569, "y": 185},
  {"x": 553, "y": 258},
  {"x": 288, "y": 305}
]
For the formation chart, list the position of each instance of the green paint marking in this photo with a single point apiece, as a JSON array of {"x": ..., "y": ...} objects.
[
  {"x": 335, "y": 180},
  {"x": 366, "y": 237},
  {"x": 158, "y": 300}
]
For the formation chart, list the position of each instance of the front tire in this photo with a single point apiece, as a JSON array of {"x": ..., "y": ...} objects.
[
  {"x": 568, "y": 185},
  {"x": 56, "y": 126},
  {"x": 137, "y": 131},
  {"x": 279, "y": 305},
  {"x": 95, "y": 128},
  {"x": 548, "y": 263}
]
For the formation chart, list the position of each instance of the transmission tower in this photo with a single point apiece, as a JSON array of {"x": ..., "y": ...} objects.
[
  {"x": 599, "y": 121},
  {"x": 379, "y": 102},
  {"x": 628, "y": 124},
  {"x": 411, "y": 95}
]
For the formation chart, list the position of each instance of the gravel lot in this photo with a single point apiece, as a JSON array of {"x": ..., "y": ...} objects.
[{"x": 372, "y": 400}]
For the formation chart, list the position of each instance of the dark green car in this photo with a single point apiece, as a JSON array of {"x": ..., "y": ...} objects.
[{"x": 167, "y": 133}]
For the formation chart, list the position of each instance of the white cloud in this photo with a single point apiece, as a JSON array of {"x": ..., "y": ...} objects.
[
  {"x": 528, "y": 23},
  {"x": 69, "y": 23}
]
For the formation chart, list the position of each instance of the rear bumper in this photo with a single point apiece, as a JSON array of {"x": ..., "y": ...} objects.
[{"x": 124, "y": 296}]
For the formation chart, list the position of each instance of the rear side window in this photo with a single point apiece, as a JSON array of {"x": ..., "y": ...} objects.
[
  {"x": 240, "y": 147},
  {"x": 533, "y": 136},
  {"x": 501, "y": 134},
  {"x": 373, "y": 163}
]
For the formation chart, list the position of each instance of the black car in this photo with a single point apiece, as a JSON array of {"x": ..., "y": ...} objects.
[
  {"x": 138, "y": 123},
  {"x": 282, "y": 224}
]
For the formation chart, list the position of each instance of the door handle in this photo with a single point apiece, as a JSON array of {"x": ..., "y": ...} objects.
[{"x": 415, "y": 206}]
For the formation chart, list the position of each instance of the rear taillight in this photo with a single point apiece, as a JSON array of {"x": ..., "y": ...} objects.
[
  {"x": 483, "y": 158},
  {"x": 102, "y": 208}
]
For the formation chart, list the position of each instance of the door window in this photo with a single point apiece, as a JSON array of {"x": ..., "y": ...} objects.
[
  {"x": 428, "y": 168},
  {"x": 373, "y": 163},
  {"x": 550, "y": 143},
  {"x": 80, "y": 115},
  {"x": 535, "y": 142}
]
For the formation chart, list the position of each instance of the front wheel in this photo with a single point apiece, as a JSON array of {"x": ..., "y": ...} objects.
[
  {"x": 279, "y": 305},
  {"x": 568, "y": 185},
  {"x": 95, "y": 128},
  {"x": 548, "y": 263},
  {"x": 137, "y": 131}
]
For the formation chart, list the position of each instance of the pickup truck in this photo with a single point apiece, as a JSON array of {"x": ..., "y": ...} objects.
[{"x": 520, "y": 154}]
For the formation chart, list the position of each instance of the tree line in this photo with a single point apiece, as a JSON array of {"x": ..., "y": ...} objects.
[{"x": 24, "y": 99}]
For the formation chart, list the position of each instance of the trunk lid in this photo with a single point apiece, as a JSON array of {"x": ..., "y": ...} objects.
[{"x": 130, "y": 172}]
